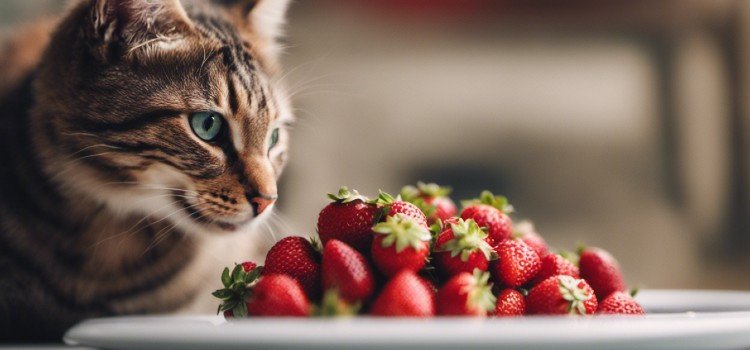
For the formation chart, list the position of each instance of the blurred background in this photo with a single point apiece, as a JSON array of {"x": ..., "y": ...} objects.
[{"x": 622, "y": 124}]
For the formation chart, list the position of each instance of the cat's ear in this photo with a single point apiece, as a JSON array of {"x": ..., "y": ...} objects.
[
  {"x": 131, "y": 22},
  {"x": 264, "y": 19}
]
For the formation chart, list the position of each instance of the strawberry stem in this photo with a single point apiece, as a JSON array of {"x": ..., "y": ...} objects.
[{"x": 403, "y": 231}]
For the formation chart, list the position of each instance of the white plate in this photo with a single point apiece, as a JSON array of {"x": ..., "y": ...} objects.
[{"x": 679, "y": 320}]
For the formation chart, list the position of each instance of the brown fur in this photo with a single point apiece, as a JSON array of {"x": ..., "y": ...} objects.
[{"x": 109, "y": 202}]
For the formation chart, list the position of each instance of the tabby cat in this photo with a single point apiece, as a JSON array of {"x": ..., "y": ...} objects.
[{"x": 141, "y": 142}]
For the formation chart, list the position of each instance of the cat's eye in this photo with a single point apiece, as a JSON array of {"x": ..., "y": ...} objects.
[
  {"x": 274, "y": 138},
  {"x": 207, "y": 125}
]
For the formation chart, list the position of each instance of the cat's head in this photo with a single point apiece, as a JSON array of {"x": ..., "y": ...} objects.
[{"x": 167, "y": 108}]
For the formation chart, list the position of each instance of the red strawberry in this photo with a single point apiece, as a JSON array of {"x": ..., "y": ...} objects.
[
  {"x": 432, "y": 199},
  {"x": 348, "y": 218},
  {"x": 510, "y": 302},
  {"x": 526, "y": 232},
  {"x": 391, "y": 206},
  {"x": 602, "y": 271},
  {"x": 277, "y": 295},
  {"x": 516, "y": 264},
  {"x": 248, "y": 266},
  {"x": 560, "y": 295},
  {"x": 405, "y": 295},
  {"x": 466, "y": 294},
  {"x": 346, "y": 270},
  {"x": 461, "y": 247},
  {"x": 236, "y": 289},
  {"x": 400, "y": 243},
  {"x": 555, "y": 264},
  {"x": 490, "y": 211},
  {"x": 620, "y": 303},
  {"x": 296, "y": 257}
]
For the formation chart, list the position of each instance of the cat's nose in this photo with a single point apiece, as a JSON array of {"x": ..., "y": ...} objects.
[{"x": 260, "y": 201}]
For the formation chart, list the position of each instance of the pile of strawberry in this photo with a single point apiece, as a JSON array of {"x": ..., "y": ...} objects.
[{"x": 412, "y": 256}]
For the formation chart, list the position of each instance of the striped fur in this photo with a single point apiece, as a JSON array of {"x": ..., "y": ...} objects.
[{"x": 109, "y": 203}]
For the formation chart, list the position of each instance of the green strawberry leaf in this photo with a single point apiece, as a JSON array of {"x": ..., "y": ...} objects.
[
  {"x": 226, "y": 279},
  {"x": 253, "y": 275},
  {"x": 223, "y": 294},
  {"x": 433, "y": 189},
  {"x": 333, "y": 306},
  {"x": 347, "y": 196},
  {"x": 402, "y": 231},
  {"x": 576, "y": 297},
  {"x": 427, "y": 209},
  {"x": 480, "y": 295},
  {"x": 384, "y": 199},
  {"x": 238, "y": 274},
  {"x": 227, "y": 305},
  {"x": 240, "y": 310},
  {"x": 488, "y": 198},
  {"x": 409, "y": 193},
  {"x": 569, "y": 256},
  {"x": 467, "y": 238}
]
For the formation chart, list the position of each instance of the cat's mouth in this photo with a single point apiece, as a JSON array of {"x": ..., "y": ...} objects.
[{"x": 199, "y": 217}]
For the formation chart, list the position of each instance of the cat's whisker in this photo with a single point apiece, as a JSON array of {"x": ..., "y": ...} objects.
[
  {"x": 297, "y": 67},
  {"x": 332, "y": 92},
  {"x": 310, "y": 83},
  {"x": 67, "y": 166},
  {"x": 305, "y": 120},
  {"x": 160, "y": 220},
  {"x": 104, "y": 145},
  {"x": 149, "y": 186},
  {"x": 159, "y": 237},
  {"x": 145, "y": 217},
  {"x": 309, "y": 79},
  {"x": 277, "y": 218},
  {"x": 80, "y": 134},
  {"x": 269, "y": 232},
  {"x": 308, "y": 87},
  {"x": 316, "y": 90},
  {"x": 175, "y": 212}
]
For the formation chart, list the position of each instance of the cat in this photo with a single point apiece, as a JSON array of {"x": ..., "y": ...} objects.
[{"x": 140, "y": 145}]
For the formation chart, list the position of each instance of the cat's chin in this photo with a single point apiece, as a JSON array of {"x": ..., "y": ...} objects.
[{"x": 191, "y": 226}]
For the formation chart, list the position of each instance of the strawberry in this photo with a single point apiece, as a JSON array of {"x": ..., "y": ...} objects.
[
  {"x": 346, "y": 270},
  {"x": 248, "y": 266},
  {"x": 237, "y": 288},
  {"x": 461, "y": 247},
  {"x": 277, "y": 295},
  {"x": 466, "y": 294},
  {"x": 516, "y": 263},
  {"x": 390, "y": 206},
  {"x": 405, "y": 295},
  {"x": 490, "y": 211},
  {"x": 400, "y": 243},
  {"x": 510, "y": 302},
  {"x": 556, "y": 264},
  {"x": 601, "y": 270},
  {"x": 560, "y": 295},
  {"x": 620, "y": 303},
  {"x": 296, "y": 257},
  {"x": 432, "y": 199},
  {"x": 348, "y": 218},
  {"x": 526, "y": 232}
]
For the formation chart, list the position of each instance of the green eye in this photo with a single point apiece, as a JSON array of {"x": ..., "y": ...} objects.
[
  {"x": 207, "y": 125},
  {"x": 274, "y": 138}
]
